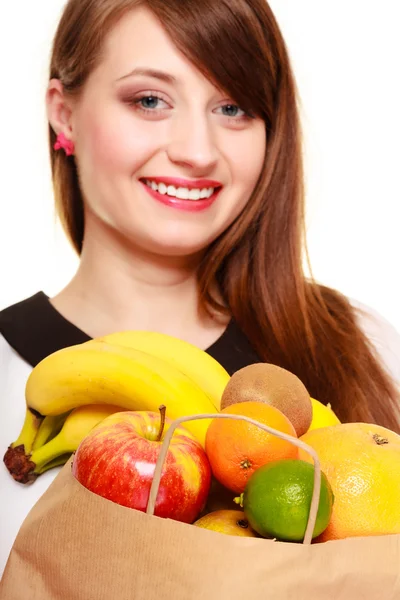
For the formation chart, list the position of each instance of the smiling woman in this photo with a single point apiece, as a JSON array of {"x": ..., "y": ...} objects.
[
  {"x": 133, "y": 128},
  {"x": 177, "y": 165}
]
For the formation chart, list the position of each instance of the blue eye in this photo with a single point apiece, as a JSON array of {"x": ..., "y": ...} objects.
[
  {"x": 231, "y": 110},
  {"x": 149, "y": 102}
]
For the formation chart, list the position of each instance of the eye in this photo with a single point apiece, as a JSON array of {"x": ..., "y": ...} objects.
[
  {"x": 232, "y": 111},
  {"x": 151, "y": 103}
]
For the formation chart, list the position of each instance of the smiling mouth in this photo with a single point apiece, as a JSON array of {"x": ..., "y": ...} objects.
[{"x": 181, "y": 193}]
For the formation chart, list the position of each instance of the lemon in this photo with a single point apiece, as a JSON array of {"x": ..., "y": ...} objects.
[
  {"x": 323, "y": 416},
  {"x": 277, "y": 500}
]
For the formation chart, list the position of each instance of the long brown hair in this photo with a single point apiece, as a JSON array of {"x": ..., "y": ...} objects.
[{"x": 289, "y": 319}]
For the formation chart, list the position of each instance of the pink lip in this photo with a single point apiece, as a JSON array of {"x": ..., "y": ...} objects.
[
  {"x": 185, "y": 183},
  {"x": 186, "y": 205}
]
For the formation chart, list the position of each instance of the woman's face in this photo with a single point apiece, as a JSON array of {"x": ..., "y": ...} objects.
[{"x": 165, "y": 159}]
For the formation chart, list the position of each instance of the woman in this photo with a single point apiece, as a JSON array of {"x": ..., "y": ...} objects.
[{"x": 176, "y": 155}]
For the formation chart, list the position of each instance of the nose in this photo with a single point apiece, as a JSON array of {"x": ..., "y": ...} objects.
[{"x": 192, "y": 144}]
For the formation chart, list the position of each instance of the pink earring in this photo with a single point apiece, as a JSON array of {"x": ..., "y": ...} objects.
[{"x": 64, "y": 144}]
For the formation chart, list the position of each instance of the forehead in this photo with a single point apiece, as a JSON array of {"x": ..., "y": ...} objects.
[{"x": 139, "y": 40}]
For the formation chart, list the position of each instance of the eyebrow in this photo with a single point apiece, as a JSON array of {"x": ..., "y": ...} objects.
[{"x": 162, "y": 75}]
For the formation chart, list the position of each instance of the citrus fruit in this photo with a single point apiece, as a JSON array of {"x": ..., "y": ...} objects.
[
  {"x": 265, "y": 382},
  {"x": 230, "y": 522},
  {"x": 277, "y": 500},
  {"x": 362, "y": 463},
  {"x": 236, "y": 448},
  {"x": 322, "y": 415}
]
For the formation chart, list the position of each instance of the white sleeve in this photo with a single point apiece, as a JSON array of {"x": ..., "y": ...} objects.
[
  {"x": 16, "y": 500},
  {"x": 383, "y": 335}
]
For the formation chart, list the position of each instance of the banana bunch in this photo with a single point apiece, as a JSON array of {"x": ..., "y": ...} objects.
[{"x": 72, "y": 390}]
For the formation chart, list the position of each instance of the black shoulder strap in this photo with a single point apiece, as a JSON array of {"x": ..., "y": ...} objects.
[{"x": 35, "y": 329}]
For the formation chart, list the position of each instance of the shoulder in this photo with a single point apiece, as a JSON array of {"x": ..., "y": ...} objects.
[
  {"x": 35, "y": 329},
  {"x": 382, "y": 334},
  {"x": 14, "y": 371},
  {"x": 14, "y": 501},
  {"x": 15, "y": 319},
  {"x": 21, "y": 324}
]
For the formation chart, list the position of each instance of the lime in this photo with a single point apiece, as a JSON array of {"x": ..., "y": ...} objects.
[{"x": 277, "y": 500}]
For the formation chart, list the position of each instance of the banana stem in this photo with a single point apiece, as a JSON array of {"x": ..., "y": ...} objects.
[
  {"x": 50, "y": 451},
  {"x": 56, "y": 462}
]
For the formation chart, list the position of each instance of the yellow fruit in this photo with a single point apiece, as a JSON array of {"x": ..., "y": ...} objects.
[
  {"x": 197, "y": 364},
  {"x": 362, "y": 464},
  {"x": 264, "y": 382},
  {"x": 229, "y": 522},
  {"x": 101, "y": 373},
  {"x": 322, "y": 416},
  {"x": 66, "y": 439}
]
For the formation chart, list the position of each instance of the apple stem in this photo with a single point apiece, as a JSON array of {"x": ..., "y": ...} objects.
[{"x": 163, "y": 410}]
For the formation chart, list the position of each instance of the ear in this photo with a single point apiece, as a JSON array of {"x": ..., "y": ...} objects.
[{"x": 59, "y": 109}]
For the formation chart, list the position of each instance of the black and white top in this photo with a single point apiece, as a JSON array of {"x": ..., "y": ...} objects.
[{"x": 33, "y": 329}]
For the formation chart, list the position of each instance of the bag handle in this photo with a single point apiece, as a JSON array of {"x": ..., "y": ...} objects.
[{"x": 312, "y": 517}]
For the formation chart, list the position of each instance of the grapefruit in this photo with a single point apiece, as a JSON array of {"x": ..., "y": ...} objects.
[{"x": 362, "y": 463}]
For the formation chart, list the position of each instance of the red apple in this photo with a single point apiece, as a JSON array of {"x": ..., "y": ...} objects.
[{"x": 117, "y": 461}]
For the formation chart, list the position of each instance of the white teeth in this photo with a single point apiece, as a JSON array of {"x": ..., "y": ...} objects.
[
  {"x": 171, "y": 190},
  {"x": 194, "y": 194},
  {"x": 181, "y": 193}
]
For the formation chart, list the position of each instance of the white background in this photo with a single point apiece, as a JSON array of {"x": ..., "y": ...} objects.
[{"x": 345, "y": 55}]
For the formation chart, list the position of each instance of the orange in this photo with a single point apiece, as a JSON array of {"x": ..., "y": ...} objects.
[
  {"x": 362, "y": 464},
  {"x": 236, "y": 448}
]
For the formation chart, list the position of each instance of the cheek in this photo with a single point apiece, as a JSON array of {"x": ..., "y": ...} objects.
[
  {"x": 248, "y": 159},
  {"x": 113, "y": 141}
]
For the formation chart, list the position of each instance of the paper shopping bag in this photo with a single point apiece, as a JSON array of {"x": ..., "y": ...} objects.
[{"x": 75, "y": 545}]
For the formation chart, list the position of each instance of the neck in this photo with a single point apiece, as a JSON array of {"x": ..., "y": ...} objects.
[{"x": 118, "y": 287}]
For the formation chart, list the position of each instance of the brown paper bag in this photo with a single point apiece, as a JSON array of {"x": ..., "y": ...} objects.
[{"x": 75, "y": 545}]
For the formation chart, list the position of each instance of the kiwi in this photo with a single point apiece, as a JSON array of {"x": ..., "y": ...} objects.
[{"x": 275, "y": 386}]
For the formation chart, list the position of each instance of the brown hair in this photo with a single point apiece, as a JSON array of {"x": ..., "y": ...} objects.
[{"x": 290, "y": 320}]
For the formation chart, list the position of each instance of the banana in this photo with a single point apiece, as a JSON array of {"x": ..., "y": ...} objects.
[
  {"x": 102, "y": 373},
  {"x": 15, "y": 456},
  {"x": 48, "y": 429},
  {"x": 29, "y": 431},
  {"x": 52, "y": 464},
  {"x": 78, "y": 424},
  {"x": 205, "y": 371}
]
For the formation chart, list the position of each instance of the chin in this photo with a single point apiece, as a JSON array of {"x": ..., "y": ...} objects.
[
  {"x": 177, "y": 249},
  {"x": 170, "y": 245}
]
